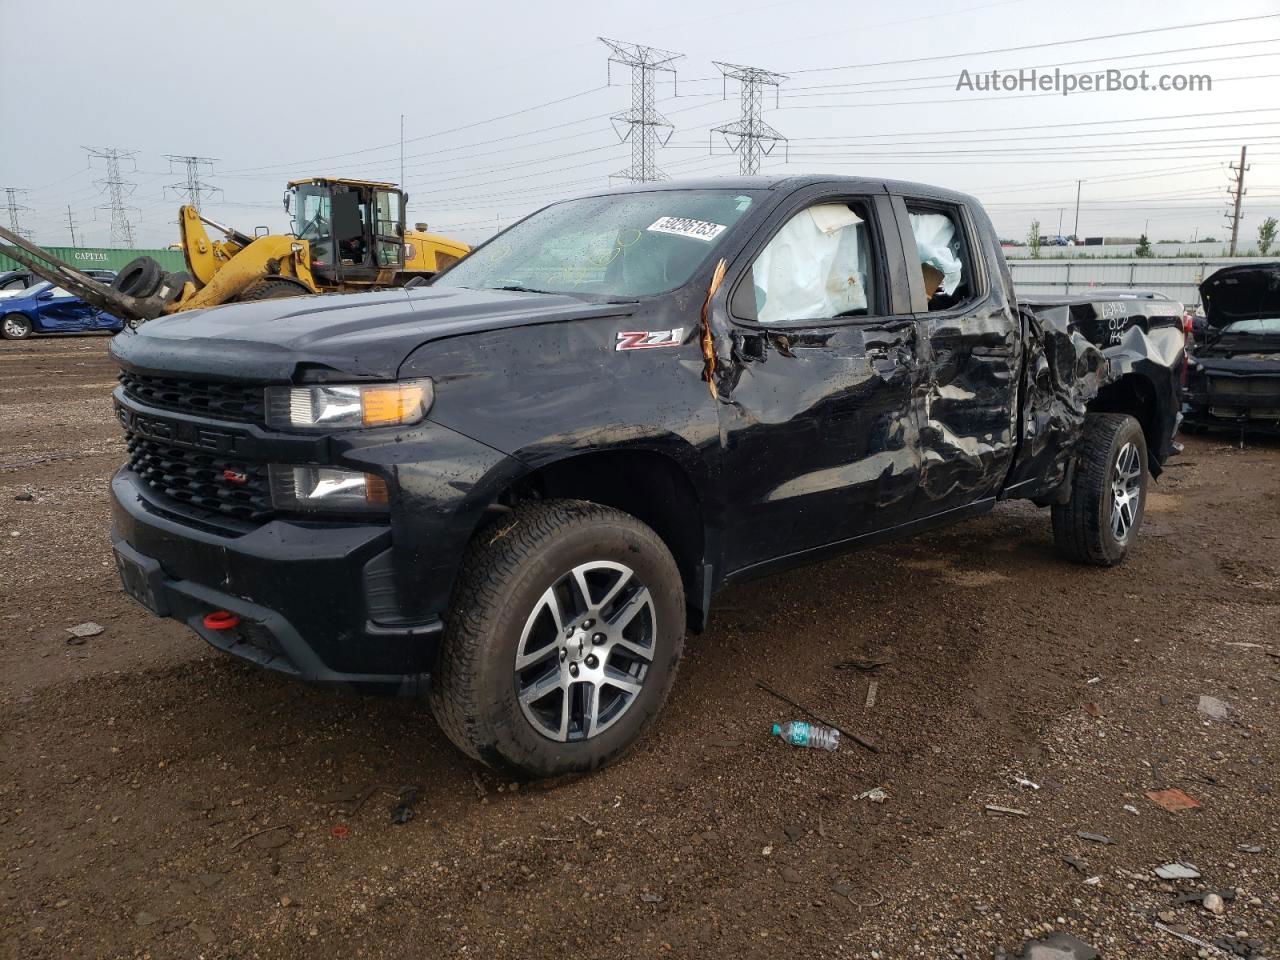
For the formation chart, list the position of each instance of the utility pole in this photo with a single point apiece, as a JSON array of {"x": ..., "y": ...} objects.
[
  {"x": 749, "y": 133},
  {"x": 1075, "y": 231},
  {"x": 71, "y": 223},
  {"x": 643, "y": 119},
  {"x": 193, "y": 188},
  {"x": 1060, "y": 211},
  {"x": 402, "y": 151},
  {"x": 1238, "y": 190},
  {"x": 117, "y": 190},
  {"x": 15, "y": 208}
]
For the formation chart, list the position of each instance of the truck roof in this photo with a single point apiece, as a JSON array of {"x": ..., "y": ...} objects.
[{"x": 795, "y": 181}]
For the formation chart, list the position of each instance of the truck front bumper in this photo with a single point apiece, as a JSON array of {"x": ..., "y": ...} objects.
[{"x": 306, "y": 593}]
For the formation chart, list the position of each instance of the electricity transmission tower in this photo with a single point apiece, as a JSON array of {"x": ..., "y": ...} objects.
[
  {"x": 15, "y": 208},
  {"x": 193, "y": 188},
  {"x": 749, "y": 136},
  {"x": 643, "y": 121},
  {"x": 1238, "y": 191},
  {"x": 117, "y": 190}
]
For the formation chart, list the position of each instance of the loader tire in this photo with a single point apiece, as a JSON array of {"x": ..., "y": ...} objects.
[
  {"x": 1100, "y": 521},
  {"x": 273, "y": 288},
  {"x": 140, "y": 277}
]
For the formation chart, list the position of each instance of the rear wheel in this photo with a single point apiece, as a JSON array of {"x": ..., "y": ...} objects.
[
  {"x": 15, "y": 326},
  {"x": 1100, "y": 522},
  {"x": 566, "y": 628},
  {"x": 273, "y": 288}
]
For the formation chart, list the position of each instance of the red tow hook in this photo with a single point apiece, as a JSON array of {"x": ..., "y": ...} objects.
[{"x": 221, "y": 620}]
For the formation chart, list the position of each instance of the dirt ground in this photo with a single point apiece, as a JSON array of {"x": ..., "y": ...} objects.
[{"x": 158, "y": 799}]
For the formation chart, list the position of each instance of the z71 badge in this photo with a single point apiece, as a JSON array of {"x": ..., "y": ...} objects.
[{"x": 649, "y": 339}]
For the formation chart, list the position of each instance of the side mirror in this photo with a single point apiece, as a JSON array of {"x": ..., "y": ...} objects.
[
  {"x": 288, "y": 196},
  {"x": 47, "y": 295}
]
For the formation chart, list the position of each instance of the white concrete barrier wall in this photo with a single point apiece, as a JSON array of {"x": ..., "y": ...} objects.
[{"x": 1179, "y": 279}]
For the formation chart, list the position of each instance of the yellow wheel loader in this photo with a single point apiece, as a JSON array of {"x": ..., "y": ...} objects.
[{"x": 348, "y": 235}]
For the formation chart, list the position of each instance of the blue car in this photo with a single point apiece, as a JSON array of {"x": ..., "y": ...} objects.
[{"x": 44, "y": 308}]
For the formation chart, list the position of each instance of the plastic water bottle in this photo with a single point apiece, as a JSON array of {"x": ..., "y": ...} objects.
[{"x": 800, "y": 733}]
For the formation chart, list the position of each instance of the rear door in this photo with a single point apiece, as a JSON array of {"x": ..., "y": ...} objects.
[
  {"x": 818, "y": 419},
  {"x": 971, "y": 351}
]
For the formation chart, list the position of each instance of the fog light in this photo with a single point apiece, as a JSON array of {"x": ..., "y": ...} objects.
[{"x": 326, "y": 488}]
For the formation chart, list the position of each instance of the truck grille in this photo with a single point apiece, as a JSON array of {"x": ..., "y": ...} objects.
[
  {"x": 221, "y": 401},
  {"x": 231, "y": 488}
]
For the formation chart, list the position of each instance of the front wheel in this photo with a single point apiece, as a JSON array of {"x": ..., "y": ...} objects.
[
  {"x": 1100, "y": 522},
  {"x": 15, "y": 327},
  {"x": 562, "y": 642}
]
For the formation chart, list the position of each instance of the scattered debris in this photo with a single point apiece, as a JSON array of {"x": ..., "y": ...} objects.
[
  {"x": 1095, "y": 837},
  {"x": 24, "y": 497},
  {"x": 341, "y": 831},
  {"x": 1058, "y": 946},
  {"x": 1249, "y": 847},
  {"x": 83, "y": 631},
  {"x": 875, "y": 795},
  {"x": 1213, "y": 708},
  {"x": 276, "y": 836},
  {"x": 1214, "y": 904},
  {"x": 1178, "y": 870},
  {"x": 1194, "y": 941},
  {"x": 1093, "y": 680},
  {"x": 866, "y": 666},
  {"x": 1130, "y": 808},
  {"x": 861, "y": 741},
  {"x": 1076, "y": 864},
  {"x": 1172, "y": 800},
  {"x": 1093, "y": 710},
  {"x": 403, "y": 812},
  {"x": 872, "y": 687},
  {"x": 1006, "y": 811},
  {"x": 1093, "y": 881},
  {"x": 650, "y": 897},
  {"x": 1024, "y": 782}
]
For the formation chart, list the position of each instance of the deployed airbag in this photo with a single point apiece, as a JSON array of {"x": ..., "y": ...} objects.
[
  {"x": 935, "y": 235},
  {"x": 813, "y": 268}
]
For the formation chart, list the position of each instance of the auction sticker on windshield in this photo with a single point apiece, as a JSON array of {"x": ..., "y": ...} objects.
[{"x": 685, "y": 227}]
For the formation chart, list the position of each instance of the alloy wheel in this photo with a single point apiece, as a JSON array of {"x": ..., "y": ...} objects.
[
  {"x": 585, "y": 651},
  {"x": 1126, "y": 491}
]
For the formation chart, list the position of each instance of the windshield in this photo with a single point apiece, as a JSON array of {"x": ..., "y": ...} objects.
[
  {"x": 313, "y": 221},
  {"x": 1269, "y": 325},
  {"x": 620, "y": 245}
]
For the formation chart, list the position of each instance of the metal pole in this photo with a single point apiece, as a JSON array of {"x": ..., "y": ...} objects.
[
  {"x": 1075, "y": 232},
  {"x": 72, "y": 224},
  {"x": 402, "y": 151},
  {"x": 1235, "y": 217}
]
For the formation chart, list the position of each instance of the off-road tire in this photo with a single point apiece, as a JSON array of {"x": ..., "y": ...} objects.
[
  {"x": 273, "y": 288},
  {"x": 15, "y": 326},
  {"x": 507, "y": 568},
  {"x": 1082, "y": 529},
  {"x": 140, "y": 277}
]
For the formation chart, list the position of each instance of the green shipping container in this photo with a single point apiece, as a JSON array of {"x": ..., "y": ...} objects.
[{"x": 105, "y": 258}]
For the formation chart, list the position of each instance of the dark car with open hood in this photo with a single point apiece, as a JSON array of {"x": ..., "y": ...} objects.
[
  {"x": 1233, "y": 381},
  {"x": 518, "y": 488}
]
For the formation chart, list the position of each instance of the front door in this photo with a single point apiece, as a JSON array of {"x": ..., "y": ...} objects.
[
  {"x": 61, "y": 310},
  {"x": 818, "y": 418}
]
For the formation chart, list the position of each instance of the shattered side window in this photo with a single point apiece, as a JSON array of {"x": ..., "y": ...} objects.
[
  {"x": 940, "y": 249},
  {"x": 815, "y": 267}
]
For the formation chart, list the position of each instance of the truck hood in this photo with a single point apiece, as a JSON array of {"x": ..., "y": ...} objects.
[
  {"x": 1243, "y": 292},
  {"x": 360, "y": 336}
]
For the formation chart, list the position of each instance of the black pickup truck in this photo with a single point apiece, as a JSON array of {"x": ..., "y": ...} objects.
[{"x": 519, "y": 487}]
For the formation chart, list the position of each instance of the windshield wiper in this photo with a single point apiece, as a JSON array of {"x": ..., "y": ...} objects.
[{"x": 516, "y": 288}]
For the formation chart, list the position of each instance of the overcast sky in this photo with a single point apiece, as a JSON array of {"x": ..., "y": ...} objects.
[{"x": 282, "y": 90}]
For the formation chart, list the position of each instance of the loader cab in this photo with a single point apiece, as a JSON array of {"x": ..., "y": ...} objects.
[{"x": 354, "y": 229}]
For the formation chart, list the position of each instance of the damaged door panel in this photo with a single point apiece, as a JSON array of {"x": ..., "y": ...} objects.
[{"x": 969, "y": 391}]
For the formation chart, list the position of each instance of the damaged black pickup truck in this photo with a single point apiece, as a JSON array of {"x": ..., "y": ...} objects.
[{"x": 517, "y": 488}]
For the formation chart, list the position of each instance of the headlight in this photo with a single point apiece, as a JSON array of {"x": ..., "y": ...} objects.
[
  {"x": 326, "y": 488},
  {"x": 344, "y": 406}
]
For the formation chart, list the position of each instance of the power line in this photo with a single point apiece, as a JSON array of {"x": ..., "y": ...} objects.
[
  {"x": 1038, "y": 46},
  {"x": 117, "y": 190},
  {"x": 193, "y": 188},
  {"x": 643, "y": 121},
  {"x": 748, "y": 135},
  {"x": 1239, "y": 192}
]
